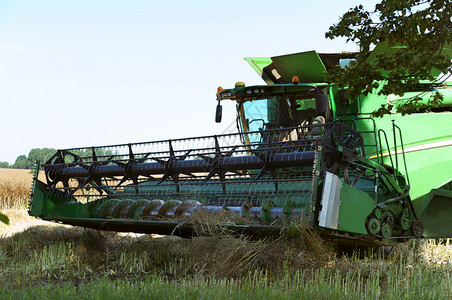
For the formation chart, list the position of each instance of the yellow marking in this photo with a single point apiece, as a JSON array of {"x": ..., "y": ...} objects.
[{"x": 418, "y": 148}]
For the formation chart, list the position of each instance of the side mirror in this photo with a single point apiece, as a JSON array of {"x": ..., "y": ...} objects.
[
  {"x": 218, "y": 113},
  {"x": 321, "y": 104}
]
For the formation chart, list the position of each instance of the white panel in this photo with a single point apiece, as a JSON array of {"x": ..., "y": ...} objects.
[{"x": 330, "y": 202}]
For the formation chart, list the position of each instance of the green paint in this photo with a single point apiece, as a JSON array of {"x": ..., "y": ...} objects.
[
  {"x": 355, "y": 206},
  {"x": 258, "y": 63},
  {"x": 437, "y": 214},
  {"x": 306, "y": 65}
]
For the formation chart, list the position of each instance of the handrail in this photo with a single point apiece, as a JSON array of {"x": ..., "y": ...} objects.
[
  {"x": 355, "y": 126},
  {"x": 380, "y": 154},
  {"x": 394, "y": 126}
]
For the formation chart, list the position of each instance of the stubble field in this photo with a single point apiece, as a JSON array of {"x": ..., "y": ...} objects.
[{"x": 41, "y": 259}]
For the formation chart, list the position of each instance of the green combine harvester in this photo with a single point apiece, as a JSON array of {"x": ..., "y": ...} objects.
[{"x": 304, "y": 154}]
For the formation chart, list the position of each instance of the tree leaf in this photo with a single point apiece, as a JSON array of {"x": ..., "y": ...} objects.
[
  {"x": 415, "y": 31},
  {"x": 4, "y": 219}
]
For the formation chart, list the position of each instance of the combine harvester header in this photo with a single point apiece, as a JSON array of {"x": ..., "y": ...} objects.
[{"x": 304, "y": 153}]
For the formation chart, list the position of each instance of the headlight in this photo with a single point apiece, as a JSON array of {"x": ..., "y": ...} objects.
[
  {"x": 249, "y": 92},
  {"x": 256, "y": 91}
]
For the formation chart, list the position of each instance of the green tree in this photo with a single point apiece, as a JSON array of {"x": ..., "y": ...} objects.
[
  {"x": 419, "y": 32},
  {"x": 43, "y": 155},
  {"x": 4, "y": 164},
  {"x": 21, "y": 162},
  {"x": 101, "y": 154}
]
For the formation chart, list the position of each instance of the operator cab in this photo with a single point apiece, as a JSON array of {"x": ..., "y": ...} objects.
[{"x": 297, "y": 107}]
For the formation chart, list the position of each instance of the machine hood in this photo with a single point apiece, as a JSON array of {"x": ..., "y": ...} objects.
[{"x": 309, "y": 66}]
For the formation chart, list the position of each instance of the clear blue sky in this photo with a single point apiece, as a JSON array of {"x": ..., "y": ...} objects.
[{"x": 84, "y": 72}]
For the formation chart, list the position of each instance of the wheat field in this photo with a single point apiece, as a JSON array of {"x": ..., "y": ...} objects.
[{"x": 15, "y": 185}]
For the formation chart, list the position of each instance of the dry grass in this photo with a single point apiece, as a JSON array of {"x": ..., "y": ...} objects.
[
  {"x": 214, "y": 224},
  {"x": 19, "y": 221},
  {"x": 39, "y": 253},
  {"x": 15, "y": 185},
  {"x": 220, "y": 255},
  {"x": 14, "y": 188}
]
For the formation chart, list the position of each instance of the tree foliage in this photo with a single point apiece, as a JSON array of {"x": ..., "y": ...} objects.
[
  {"x": 44, "y": 154},
  {"x": 41, "y": 154},
  {"x": 4, "y": 219},
  {"x": 419, "y": 30},
  {"x": 4, "y": 164}
]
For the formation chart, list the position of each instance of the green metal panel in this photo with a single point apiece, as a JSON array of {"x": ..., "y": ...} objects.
[
  {"x": 258, "y": 63},
  {"x": 427, "y": 140},
  {"x": 45, "y": 204},
  {"x": 437, "y": 216},
  {"x": 72, "y": 209},
  {"x": 306, "y": 65},
  {"x": 355, "y": 206},
  {"x": 39, "y": 204},
  {"x": 428, "y": 169}
]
